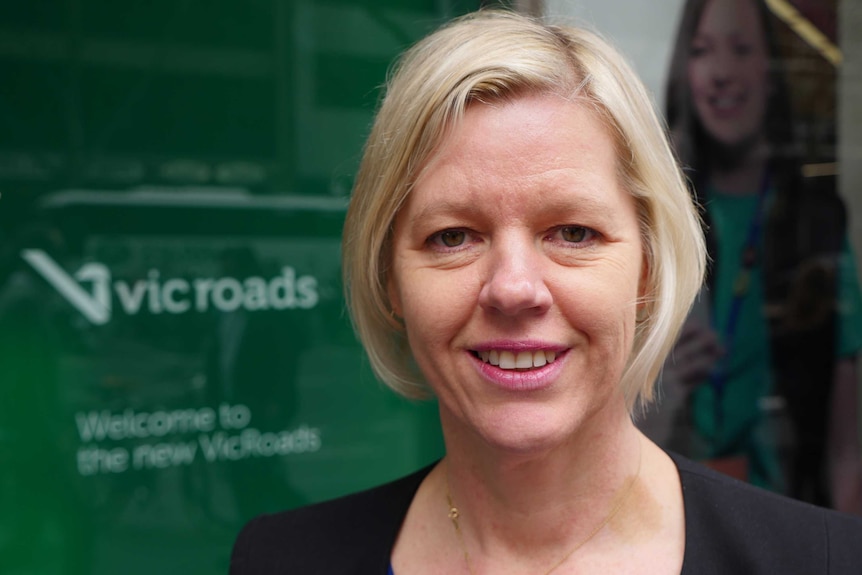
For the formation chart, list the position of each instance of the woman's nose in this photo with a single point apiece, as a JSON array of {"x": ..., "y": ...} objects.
[
  {"x": 515, "y": 281},
  {"x": 723, "y": 67}
]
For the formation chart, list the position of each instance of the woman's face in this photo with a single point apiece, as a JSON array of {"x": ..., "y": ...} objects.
[
  {"x": 728, "y": 71},
  {"x": 517, "y": 265}
]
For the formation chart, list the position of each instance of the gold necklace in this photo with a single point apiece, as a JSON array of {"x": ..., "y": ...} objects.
[{"x": 454, "y": 515}]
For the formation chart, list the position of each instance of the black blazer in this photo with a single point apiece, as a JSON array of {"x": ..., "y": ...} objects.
[{"x": 731, "y": 528}]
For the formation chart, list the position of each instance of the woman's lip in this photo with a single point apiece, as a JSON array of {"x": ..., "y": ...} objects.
[
  {"x": 515, "y": 346},
  {"x": 725, "y": 103},
  {"x": 532, "y": 379}
]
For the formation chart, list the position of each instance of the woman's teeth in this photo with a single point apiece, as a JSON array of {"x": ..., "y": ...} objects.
[{"x": 517, "y": 360}]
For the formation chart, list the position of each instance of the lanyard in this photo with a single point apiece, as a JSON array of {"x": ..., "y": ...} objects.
[{"x": 748, "y": 260}]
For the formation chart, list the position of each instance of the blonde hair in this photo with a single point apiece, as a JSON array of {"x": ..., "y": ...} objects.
[{"x": 492, "y": 56}]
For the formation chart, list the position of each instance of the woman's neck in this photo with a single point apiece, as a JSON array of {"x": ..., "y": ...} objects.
[
  {"x": 609, "y": 503},
  {"x": 738, "y": 171},
  {"x": 541, "y": 504}
]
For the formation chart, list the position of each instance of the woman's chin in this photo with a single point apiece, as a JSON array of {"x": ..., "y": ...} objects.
[{"x": 530, "y": 431}]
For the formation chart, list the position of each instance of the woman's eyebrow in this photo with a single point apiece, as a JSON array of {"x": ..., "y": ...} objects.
[
  {"x": 441, "y": 208},
  {"x": 588, "y": 204}
]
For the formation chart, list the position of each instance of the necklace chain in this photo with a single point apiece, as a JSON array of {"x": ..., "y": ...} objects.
[{"x": 455, "y": 515}]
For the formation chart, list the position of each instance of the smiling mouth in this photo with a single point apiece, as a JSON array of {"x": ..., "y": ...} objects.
[
  {"x": 516, "y": 360},
  {"x": 725, "y": 103}
]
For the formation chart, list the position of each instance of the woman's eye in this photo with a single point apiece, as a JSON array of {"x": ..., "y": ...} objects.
[
  {"x": 574, "y": 234},
  {"x": 449, "y": 238},
  {"x": 697, "y": 50}
]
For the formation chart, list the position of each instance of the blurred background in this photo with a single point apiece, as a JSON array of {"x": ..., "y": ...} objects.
[{"x": 174, "y": 351}]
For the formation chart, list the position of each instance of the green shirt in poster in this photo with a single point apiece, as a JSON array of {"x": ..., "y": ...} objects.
[{"x": 745, "y": 428}]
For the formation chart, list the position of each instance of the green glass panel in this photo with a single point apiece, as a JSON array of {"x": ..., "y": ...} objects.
[{"x": 175, "y": 355}]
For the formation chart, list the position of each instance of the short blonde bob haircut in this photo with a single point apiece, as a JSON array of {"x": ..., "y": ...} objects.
[{"x": 495, "y": 56}]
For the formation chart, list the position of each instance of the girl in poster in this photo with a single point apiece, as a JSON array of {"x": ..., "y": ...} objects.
[{"x": 780, "y": 321}]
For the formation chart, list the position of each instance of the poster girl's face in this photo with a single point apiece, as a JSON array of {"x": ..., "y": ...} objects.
[{"x": 728, "y": 72}]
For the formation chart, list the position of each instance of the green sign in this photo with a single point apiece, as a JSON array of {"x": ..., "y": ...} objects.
[{"x": 175, "y": 356}]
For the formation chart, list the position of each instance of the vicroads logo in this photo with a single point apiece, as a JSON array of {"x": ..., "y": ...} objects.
[{"x": 91, "y": 290}]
